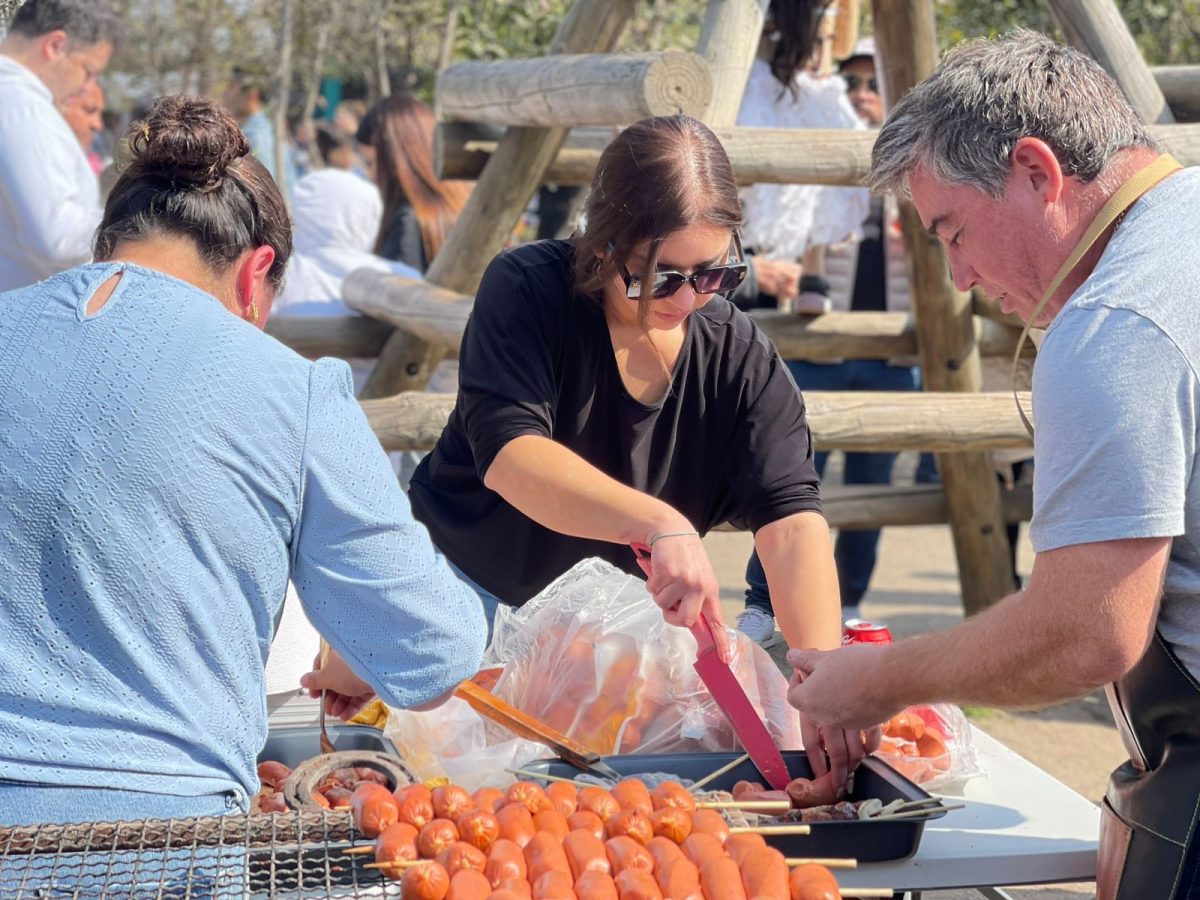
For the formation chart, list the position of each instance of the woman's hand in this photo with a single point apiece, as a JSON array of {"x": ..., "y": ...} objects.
[
  {"x": 345, "y": 692},
  {"x": 681, "y": 580},
  {"x": 778, "y": 278}
]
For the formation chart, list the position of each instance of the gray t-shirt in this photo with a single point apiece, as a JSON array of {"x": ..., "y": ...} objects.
[{"x": 1117, "y": 402}]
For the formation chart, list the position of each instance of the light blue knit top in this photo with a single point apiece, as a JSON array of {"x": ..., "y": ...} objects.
[{"x": 164, "y": 468}]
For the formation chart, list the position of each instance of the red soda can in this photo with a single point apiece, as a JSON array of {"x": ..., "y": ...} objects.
[{"x": 856, "y": 631}]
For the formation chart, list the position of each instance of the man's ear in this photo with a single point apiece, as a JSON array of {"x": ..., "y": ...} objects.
[
  {"x": 55, "y": 44},
  {"x": 1036, "y": 168}
]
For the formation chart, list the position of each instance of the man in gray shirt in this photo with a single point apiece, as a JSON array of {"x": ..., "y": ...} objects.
[{"x": 1048, "y": 193}]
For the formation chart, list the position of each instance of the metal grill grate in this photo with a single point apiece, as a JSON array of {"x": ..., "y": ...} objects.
[{"x": 292, "y": 855}]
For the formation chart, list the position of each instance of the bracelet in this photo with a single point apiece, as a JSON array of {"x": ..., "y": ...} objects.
[{"x": 667, "y": 534}]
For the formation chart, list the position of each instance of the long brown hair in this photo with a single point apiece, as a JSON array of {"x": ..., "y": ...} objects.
[
  {"x": 403, "y": 142},
  {"x": 192, "y": 175},
  {"x": 796, "y": 28},
  {"x": 656, "y": 177}
]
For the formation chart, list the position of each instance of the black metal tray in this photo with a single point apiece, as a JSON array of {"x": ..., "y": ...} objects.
[
  {"x": 864, "y": 840},
  {"x": 293, "y": 744}
]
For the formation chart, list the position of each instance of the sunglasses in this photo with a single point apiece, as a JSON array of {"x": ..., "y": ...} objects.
[
  {"x": 709, "y": 280},
  {"x": 854, "y": 82}
]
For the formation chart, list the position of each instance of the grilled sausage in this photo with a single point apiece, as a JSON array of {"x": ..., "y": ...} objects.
[
  {"x": 712, "y": 822},
  {"x": 396, "y": 844},
  {"x": 478, "y": 828},
  {"x": 764, "y": 874},
  {"x": 553, "y": 885},
  {"x": 742, "y": 788},
  {"x": 416, "y": 805},
  {"x": 679, "y": 879},
  {"x": 450, "y": 801},
  {"x": 461, "y": 855},
  {"x": 553, "y": 821},
  {"x": 663, "y": 850},
  {"x": 588, "y": 821},
  {"x": 366, "y": 773},
  {"x": 700, "y": 847},
  {"x": 633, "y": 796},
  {"x": 564, "y": 795},
  {"x": 671, "y": 793},
  {"x": 637, "y": 884},
  {"x": 738, "y": 845},
  {"x": 721, "y": 880},
  {"x": 273, "y": 774},
  {"x": 489, "y": 799},
  {"x": 626, "y": 853},
  {"x": 585, "y": 853},
  {"x": 599, "y": 801},
  {"x": 530, "y": 795},
  {"x": 595, "y": 885},
  {"x": 505, "y": 860},
  {"x": 467, "y": 884},
  {"x": 319, "y": 799},
  {"x": 435, "y": 837},
  {"x": 544, "y": 853},
  {"x": 672, "y": 823},
  {"x": 338, "y": 796},
  {"x": 812, "y": 882},
  {"x": 516, "y": 823},
  {"x": 373, "y": 808},
  {"x": 272, "y": 803},
  {"x": 427, "y": 881},
  {"x": 346, "y": 777},
  {"x": 806, "y": 792},
  {"x": 633, "y": 824}
]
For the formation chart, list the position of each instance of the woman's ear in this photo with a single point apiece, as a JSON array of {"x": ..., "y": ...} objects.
[{"x": 253, "y": 291}]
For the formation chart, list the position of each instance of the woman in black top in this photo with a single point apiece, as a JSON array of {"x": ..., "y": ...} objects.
[{"x": 600, "y": 406}]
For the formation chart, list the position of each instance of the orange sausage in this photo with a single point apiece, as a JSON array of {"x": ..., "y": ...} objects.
[
  {"x": 516, "y": 823},
  {"x": 742, "y": 788},
  {"x": 679, "y": 879},
  {"x": 637, "y": 884},
  {"x": 588, "y": 821},
  {"x": 505, "y": 860},
  {"x": 450, "y": 801},
  {"x": 564, "y": 796},
  {"x": 428, "y": 881},
  {"x": 553, "y": 821},
  {"x": 711, "y": 822},
  {"x": 553, "y": 885},
  {"x": 273, "y": 774},
  {"x": 812, "y": 882},
  {"x": 366, "y": 773},
  {"x": 906, "y": 726},
  {"x": 396, "y": 844},
  {"x": 738, "y": 845},
  {"x": 435, "y": 837},
  {"x": 416, "y": 805},
  {"x": 672, "y": 823},
  {"x": 516, "y": 887},
  {"x": 599, "y": 801},
  {"x": 509, "y": 894},
  {"x": 467, "y": 884},
  {"x": 626, "y": 853},
  {"x": 478, "y": 828},
  {"x": 764, "y": 874},
  {"x": 721, "y": 880},
  {"x": 633, "y": 824},
  {"x": 671, "y": 793},
  {"x": 530, "y": 795},
  {"x": 320, "y": 800},
  {"x": 461, "y": 855},
  {"x": 663, "y": 850},
  {"x": 489, "y": 799},
  {"x": 373, "y": 809},
  {"x": 274, "y": 803},
  {"x": 594, "y": 885},
  {"x": 544, "y": 853},
  {"x": 700, "y": 847},
  {"x": 633, "y": 796},
  {"x": 585, "y": 853},
  {"x": 806, "y": 793},
  {"x": 337, "y": 796}
]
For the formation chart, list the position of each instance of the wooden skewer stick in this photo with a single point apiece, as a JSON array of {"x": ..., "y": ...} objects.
[
  {"x": 721, "y": 771},
  {"x": 542, "y": 776},
  {"x": 867, "y": 892},
  {"x": 770, "y": 829},
  {"x": 926, "y": 813},
  {"x": 827, "y": 862},
  {"x": 398, "y": 864},
  {"x": 781, "y": 806},
  {"x": 361, "y": 848},
  {"x": 912, "y": 804}
]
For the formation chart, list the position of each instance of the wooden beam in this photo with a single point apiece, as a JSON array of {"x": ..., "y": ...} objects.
[
  {"x": 758, "y": 155},
  {"x": 346, "y": 337},
  {"x": 854, "y": 506},
  {"x": 495, "y": 205},
  {"x": 729, "y": 42},
  {"x": 421, "y": 308},
  {"x": 908, "y": 52},
  {"x": 1180, "y": 86},
  {"x": 576, "y": 89},
  {"x": 868, "y": 421},
  {"x": 1098, "y": 28}
]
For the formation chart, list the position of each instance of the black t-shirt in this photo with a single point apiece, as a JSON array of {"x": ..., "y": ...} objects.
[
  {"x": 729, "y": 442},
  {"x": 870, "y": 278}
]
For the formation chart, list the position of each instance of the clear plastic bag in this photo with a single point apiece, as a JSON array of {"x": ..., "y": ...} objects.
[
  {"x": 931, "y": 745},
  {"x": 592, "y": 657}
]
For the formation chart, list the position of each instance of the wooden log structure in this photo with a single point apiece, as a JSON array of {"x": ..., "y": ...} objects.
[
  {"x": 907, "y": 42},
  {"x": 576, "y": 89},
  {"x": 864, "y": 421},
  {"x": 729, "y": 42},
  {"x": 758, "y": 155},
  {"x": 346, "y": 337},
  {"x": 421, "y": 308},
  {"x": 501, "y": 193},
  {"x": 1180, "y": 86},
  {"x": 868, "y": 506}
]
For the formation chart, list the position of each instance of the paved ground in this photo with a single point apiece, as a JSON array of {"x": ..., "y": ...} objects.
[{"x": 915, "y": 589}]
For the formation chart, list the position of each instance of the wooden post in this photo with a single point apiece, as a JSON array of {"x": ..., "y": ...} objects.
[
  {"x": 1097, "y": 27},
  {"x": 512, "y": 175},
  {"x": 729, "y": 42},
  {"x": 580, "y": 89},
  {"x": 1181, "y": 88},
  {"x": 346, "y": 337},
  {"x": 907, "y": 42}
]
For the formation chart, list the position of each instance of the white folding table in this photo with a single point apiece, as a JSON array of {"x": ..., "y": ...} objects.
[{"x": 1020, "y": 826}]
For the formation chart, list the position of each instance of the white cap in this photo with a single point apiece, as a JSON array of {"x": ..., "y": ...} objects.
[{"x": 864, "y": 46}]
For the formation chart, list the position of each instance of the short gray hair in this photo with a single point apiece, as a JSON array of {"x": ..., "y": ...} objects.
[
  {"x": 963, "y": 121},
  {"x": 86, "y": 22}
]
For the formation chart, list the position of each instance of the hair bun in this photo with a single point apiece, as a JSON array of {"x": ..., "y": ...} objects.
[{"x": 190, "y": 140}]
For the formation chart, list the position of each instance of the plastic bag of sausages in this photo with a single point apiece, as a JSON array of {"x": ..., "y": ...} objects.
[
  {"x": 592, "y": 657},
  {"x": 930, "y": 745}
]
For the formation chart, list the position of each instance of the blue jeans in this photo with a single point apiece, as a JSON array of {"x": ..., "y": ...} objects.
[{"x": 855, "y": 551}]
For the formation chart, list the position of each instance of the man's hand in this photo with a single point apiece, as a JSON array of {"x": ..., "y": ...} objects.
[
  {"x": 836, "y": 750},
  {"x": 778, "y": 278},
  {"x": 841, "y": 688},
  {"x": 346, "y": 693}
]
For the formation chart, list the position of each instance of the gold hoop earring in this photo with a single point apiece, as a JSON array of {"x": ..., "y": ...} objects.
[{"x": 252, "y": 314}]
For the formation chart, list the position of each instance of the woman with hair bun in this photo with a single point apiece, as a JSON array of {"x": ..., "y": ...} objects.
[
  {"x": 610, "y": 394},
  {"x": 165, "y": 468}
]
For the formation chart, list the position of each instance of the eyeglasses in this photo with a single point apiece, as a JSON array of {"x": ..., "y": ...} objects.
[
  {"x": 709, "y": 280},
  {"x": 854, "y": 82}
]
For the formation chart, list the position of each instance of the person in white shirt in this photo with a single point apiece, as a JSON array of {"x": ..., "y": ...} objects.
[{"x": 49, "y": 197}]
